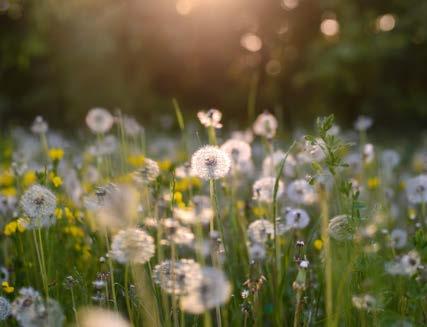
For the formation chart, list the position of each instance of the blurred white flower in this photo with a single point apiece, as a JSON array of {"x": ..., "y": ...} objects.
[
  {"x": 398, "y": 238},
  {"x": 363, "y": 123},
  {"x": 177, "y": 277},
  {"x": 301, "y": 192},
  {"x": 416, "y": 189},
  {"x": 263, "y": 189},
  {"x": 132, "y": 245},
  {"x": 210, "y": 118},
  {"x": 99, "y": 120},
  {"x": 265, "y": 125},
  {"x": 96, "y": 317},
  {"x": 260, "y": 231},
  {"x": 39, "y": 204},
  {"x": 272, "y": 162},
  {"x": 39, "y": 126},
  {"x": 210, "y": 162},
  {"x": 210, "y": 291},
  {"x": 340, "y": 228}
]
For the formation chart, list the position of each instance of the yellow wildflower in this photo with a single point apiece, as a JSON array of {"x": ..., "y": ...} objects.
[
  {"x": 240, "y": 204},
  {"x": 6, "y": 179},
  {"x": 165, "y": 165},
  {"x": 69, "y": 214},
  {"x": 412, "y": 213},
  {"x": 7, "y": 288},
  {"x": 177, "y": 197},
  {"x": 136, "y": 160},
  {"x": 9, "y": 191},
  {"x": 373, "y": 183},
  {"x": 29, "y": 178},
  {"x": 318, "y": 244},
  {"x": 260, "y": 211},
  {"x": 56, "y": 154},
  {"x": 57, "y": 181},
  {"x": 58, "y": 213},
  {"x": 74, "y": 231},
  {"x": 21, "y": 225},
  {"x": 10, "y": 228}
]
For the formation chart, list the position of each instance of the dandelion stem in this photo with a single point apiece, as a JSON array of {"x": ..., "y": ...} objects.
[
  {"x": 40, "y": 260},
  {"x": 327, "y": 253},
  {"x": 128, "y": 304},
  {"x": 110, "y": 265}
]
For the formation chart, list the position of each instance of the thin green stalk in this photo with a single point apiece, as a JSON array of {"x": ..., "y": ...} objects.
[
  {"x": 110, "y": 266},
  {"x": 41, "y": 262},
  {"x": 73, "y": 302},
  {"x": 128, "y": 304},
  {"x": 327, "y": 254}
]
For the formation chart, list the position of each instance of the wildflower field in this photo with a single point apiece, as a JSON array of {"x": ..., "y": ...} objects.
[{"x": 120, "y": 225}]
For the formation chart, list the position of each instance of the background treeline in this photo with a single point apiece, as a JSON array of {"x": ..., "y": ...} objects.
[{"x": 60, "y": 58}]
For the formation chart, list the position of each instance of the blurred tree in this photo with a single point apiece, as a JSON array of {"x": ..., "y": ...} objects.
[{"x": 59, "y": 58}]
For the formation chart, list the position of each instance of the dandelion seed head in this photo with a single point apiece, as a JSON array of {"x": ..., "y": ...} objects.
[
  {"x": 315, "y": 149},
  {"x": 297, "y": 218},
  {"x": 265, "y": 125},
  {"x": 5, "y": 308},
  {"x": 390, "y": 159},
  {"x": 29, "y": 309},
  {"x": 39, "y": 126},
  {"x": 238, "y": 151},
  {"x": 39, "y": 204},
  {"x": 364, "y": 302},
  {"x": 210, "y": 162},
  {"x": 176, "y": 233},
  {"x": 272, "y": 162},
  {"x": 257, "y": 252},
  {"x": 210, "y": 118},
  {"x": 132, "y": 245},
  {"x": 416, "y": 189},
  {"x": 116, "y": 206},
  {"x": 368, "y": 153},
  {"x": 260, "y": 231},
  {"x": 211, "y": 290},
  {"x": 131, "y": 126},
  {"x": 301, "y": 192},
  {"x": 263, "y": 189},
  {"x": 340, "y": 228},
  {"x": 398, "y": 238},
  {"x": 105, "y": 146},
  {"x": 95, "y": 317},
  {"x": 363, "y": 123},
  {"x": 176, "y": 277},
  {"x": 245, "y": 136},
  {"x": 148, "y": 172},
  {"x": 99, "y": 120}
]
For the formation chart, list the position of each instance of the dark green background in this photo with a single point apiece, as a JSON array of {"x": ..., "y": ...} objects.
[{"x": 60, "y": 58}]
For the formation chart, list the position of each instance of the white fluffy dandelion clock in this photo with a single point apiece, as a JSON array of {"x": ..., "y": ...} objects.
[
  {"x": 99, "y": 120},
  {"x": 176, "y": 277},
  {"x": 39, "y": 204},
  {"x": 5, "y": 308},
  {"x": 265, "y": 125},
  {"x": 301, "y": 192},
  {"x": 95, "y": 317},
  {"x": 210, "y": 118},
  {"x": 210, "y": 162},
  {"x": 297, "y": 218},
  {"x": 263, "y": 189},
  {"x": 260, "y": 231},
  {"x": 340, "y": 228},
  {"x": 209, "y": 291},
  {"x": 416, "y": 189},
  {"x": 132, "y": 245}
]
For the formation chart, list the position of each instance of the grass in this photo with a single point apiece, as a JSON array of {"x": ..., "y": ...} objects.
[{"x": 304, "y": 277}]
